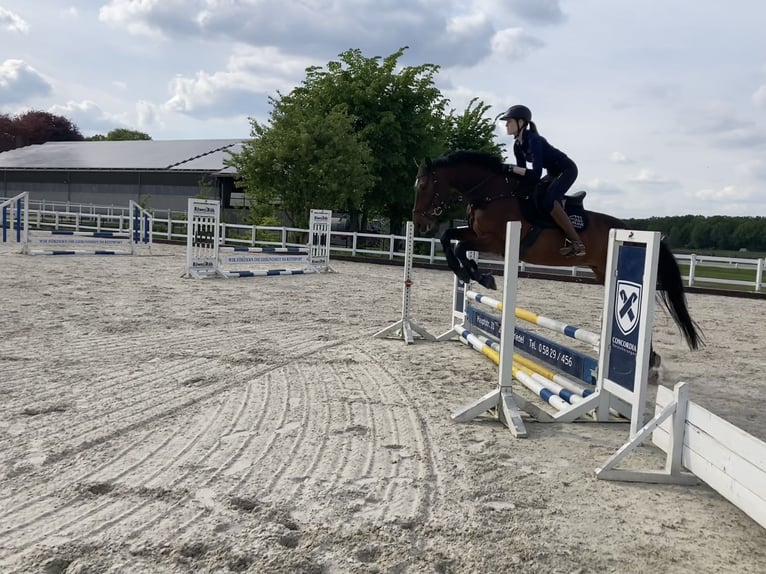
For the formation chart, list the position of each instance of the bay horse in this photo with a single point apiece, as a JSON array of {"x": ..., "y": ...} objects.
[{"x": 494, "y": 196}]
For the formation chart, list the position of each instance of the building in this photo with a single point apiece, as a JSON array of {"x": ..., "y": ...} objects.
[{"x": 160, "y": 175}]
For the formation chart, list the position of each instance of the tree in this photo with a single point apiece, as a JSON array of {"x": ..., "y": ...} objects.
[
  {"x": 472, "y": 130},
  {"x": 699, "y": 237},
  {"x": 7, "y": 133},
  {"x": 37, "y": 127},
  {"x": 121, "y": 134},
  {"x": 298, "y": 162},
  {"x": 722, "y": 231},
  {"x": 750, "y": 233},
  {"x": 375, "y": 110}
]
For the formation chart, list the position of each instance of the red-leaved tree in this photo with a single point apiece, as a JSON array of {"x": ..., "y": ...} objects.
[{"x": 36, "y": 127}]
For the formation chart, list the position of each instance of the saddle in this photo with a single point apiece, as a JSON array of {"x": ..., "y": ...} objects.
[
  {"x": 538, "y": 217},
  {"x": 541, "y": 220}
]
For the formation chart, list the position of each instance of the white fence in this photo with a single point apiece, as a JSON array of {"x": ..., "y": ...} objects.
[{"x": 172, "y": 227}]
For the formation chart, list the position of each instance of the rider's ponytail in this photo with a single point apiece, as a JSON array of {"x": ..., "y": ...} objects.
[{"x": 532, "y": 126}]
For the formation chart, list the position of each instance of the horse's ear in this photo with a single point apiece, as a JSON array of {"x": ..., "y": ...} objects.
[{"x": 416, "y": 161}]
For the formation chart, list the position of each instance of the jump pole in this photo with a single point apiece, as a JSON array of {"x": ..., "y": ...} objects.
[{"x": 404, "y": 327}]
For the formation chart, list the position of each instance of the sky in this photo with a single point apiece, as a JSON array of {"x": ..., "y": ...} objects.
[{"x": 661, "y": 103}]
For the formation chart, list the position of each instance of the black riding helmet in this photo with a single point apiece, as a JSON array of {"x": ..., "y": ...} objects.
[{"x": 517, "y": 112}]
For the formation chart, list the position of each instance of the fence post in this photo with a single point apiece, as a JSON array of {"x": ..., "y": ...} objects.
[
  {"x": 692, "y": 267},
  {"x": 759, "y": 275}
]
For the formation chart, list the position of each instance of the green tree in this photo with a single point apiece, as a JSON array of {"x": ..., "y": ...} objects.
[
  {"x": 472, "y": 130},
  {"x": 721, "y": 232},
  {"x": 718, "y": 232},
  {"x": 382, "y": 114},
  {"x": 699, "y": 238},
  {"x": 750, "y": 233},
  {"x": 303, "y": 160},
  {"x": 121, "y": 134}
]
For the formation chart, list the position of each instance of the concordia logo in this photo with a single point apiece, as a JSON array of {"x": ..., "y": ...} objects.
[{"x": 627, "y": 310}]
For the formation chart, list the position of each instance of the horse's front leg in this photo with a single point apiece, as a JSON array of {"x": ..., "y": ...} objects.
[
  {"x": 472, "y": 267},
  {"x": 458, "y": 265}
]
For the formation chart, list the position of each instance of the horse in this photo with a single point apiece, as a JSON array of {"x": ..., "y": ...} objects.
[{"x": 494, "y": 195}]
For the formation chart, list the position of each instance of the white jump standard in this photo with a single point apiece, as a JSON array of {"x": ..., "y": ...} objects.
[
  {"x": 624, "y": 342},
  {"x": 15, "y": 217},
  {"x": 14, "y": 213},
  {"x": 206, "y": 257},
  {"x": 502, "y": 398},
  {"x": 404, "y": 327}
]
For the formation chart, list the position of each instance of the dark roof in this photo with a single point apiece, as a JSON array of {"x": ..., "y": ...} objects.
[{"x": 180, "y": 155}]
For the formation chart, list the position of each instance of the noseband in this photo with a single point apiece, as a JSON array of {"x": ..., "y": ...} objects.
[{"x": 437, "y": 205}]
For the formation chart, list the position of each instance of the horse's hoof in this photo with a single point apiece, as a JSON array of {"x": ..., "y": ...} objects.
[{"x": 488, "y": 281}]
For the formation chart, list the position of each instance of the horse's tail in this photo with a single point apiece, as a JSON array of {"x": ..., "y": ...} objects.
[{"x": 670, "y": 289}]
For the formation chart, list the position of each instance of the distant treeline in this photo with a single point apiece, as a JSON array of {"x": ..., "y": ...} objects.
[{"x": 711, "y": 233}]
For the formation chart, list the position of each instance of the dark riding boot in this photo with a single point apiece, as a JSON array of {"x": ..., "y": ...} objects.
[{"x": 575, "y": 245}]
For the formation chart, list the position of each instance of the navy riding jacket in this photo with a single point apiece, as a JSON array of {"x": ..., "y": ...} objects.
[{"x": 535, "y": 149}]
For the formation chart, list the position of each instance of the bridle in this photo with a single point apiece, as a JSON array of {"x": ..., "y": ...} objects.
[
  {"x": 437, "y": 205},
  {"x": 436, "y": 209}
]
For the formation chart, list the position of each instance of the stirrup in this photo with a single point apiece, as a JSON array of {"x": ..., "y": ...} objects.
[{"x": 573, "y": 248}]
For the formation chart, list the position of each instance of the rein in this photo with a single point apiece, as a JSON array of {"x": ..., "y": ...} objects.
[{"x": 436, "y": 209}]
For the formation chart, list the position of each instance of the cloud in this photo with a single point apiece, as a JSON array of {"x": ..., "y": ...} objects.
[
  {"x": 538, "y": 11},
  {"x": 659, "y": 91},
  {"x": 725, "y": 194},
  {"x": 312, "y": 27},
  {"x": 603, "y": 187},
  {"x": 20, "y": 82},
  {"x": 711, "y": 118},
  {"x": 744, "y": 137},
  {"x": 722, "y": 123},
  {"x": 755, "y": 168},
  {"x": 89, "y": 117},
  {"x": 147, "y": 115},
  {"x": 647, "y": 176},
  {"x": 759, "y": 97},
  {"x": 620, "y": 158},
  {"x": 139, "y": 18},
  {"x": 514, "y": 44},
  {"x": 13, "y": 22},
  {"x": 251, "y": 74}
]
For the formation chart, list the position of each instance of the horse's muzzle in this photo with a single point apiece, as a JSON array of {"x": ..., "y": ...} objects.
[{"x": 422, "y": 222}]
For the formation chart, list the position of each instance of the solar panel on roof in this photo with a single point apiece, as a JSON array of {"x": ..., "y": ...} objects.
[{"x": 196, "y": 155}]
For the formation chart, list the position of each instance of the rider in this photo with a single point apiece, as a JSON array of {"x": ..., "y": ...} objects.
[{"x": 530, "y": 146}]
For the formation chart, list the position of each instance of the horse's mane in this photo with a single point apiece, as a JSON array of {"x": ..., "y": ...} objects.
[{"x": 472, "y": 157}]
